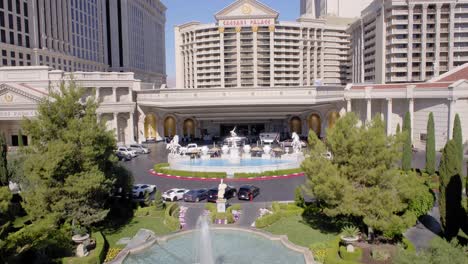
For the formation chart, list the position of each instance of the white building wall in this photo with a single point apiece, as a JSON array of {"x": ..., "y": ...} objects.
[
  {"x": 461, "y": 107},
  {"x": 422, "y": 108}
]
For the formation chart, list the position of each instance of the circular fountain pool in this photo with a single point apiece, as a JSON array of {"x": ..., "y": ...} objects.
[
  {"x": 228, "y": 247},
  {"x": 253, "y": 165}
]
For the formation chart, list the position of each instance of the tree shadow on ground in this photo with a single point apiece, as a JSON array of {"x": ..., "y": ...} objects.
[
  {"x": 316, "y": 219},
  {"x": 430, "y": 223}
]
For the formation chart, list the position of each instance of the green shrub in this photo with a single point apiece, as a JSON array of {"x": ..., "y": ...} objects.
[
  {"x": 211, "y": 207},
  {"x": 267, "y": 220},
  {"x": 380, "y": 254},
  {"x": 276, "y": 207},
  {"x": 350, "y": 256},
  {"x": 171, "y": 217},
  {"x": 332, "y": 254},
  {"x": 319, "y": 251},
  {"x": 298, "y": 197},
  {"x": 223, "y": 216},
  {"x": 158, "y": 202},
  {"x": 112, "y": 253},
  {"x": 349, "y": 231},
  {"x": 408, "y": 245},
  {"x": 236, "y": 207},
  {"x": 159, "y": 166},
  {"x": 267, "y": 173}
]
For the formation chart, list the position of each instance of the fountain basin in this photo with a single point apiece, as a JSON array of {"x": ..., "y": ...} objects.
[
  {"x": 230, "y": 245},
  {"x": 252, "y": 165}
]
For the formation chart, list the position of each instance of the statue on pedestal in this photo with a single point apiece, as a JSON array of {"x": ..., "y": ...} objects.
[
  {"x": 221, "y": 202},
  {"x": 221, "y": 189}
]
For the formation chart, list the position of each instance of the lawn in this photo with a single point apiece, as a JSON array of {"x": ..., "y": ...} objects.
[
  {"x": 153, "y": 221},
  {"x": 298, "y": 231}
]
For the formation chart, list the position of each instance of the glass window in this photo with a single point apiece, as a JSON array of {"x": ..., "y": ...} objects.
[
  {"x": 18, "y": 7},
  {"x": 25, "y": 9},
  {"x": 13, "y": 63},
  {"x": 18, "y": 23},
  {"x": 27, "y": 42},
  {"x": 4, "y": 62},
  {"x": 26, "y": 26},
  {"x": 2, "y": 18},
  {"x": 10, "y": 6},
  {"x": 12, "y": 37},
  {"x": 20, "y": 40},
  {"x": 10, "y": 21}
]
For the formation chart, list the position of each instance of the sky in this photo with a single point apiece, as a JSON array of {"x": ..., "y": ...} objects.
[{"x": 183, "y": 11}]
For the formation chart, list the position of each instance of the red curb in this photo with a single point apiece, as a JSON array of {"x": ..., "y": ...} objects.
[{"x": 261, "y": 178}]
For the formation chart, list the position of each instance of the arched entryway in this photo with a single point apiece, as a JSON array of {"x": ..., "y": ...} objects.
[
  {"x": 296, "y": 125},
  {"x": 189, "y": 128},
  {"x": 315, "y": 123},
  {"x": 150, "y": 126},
  {"x": 169, "y": 126},
  {"x": 332, "y": 118}
]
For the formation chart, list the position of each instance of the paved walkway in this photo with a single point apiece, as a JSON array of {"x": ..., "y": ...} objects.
[
  {"x": 250, "y": 213},
  {"x": 426, "y": 229}
]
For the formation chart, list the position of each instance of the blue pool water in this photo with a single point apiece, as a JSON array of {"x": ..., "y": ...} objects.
[
  {"x": 227, "y": 163},
  {"x": 229, "y": 247}
]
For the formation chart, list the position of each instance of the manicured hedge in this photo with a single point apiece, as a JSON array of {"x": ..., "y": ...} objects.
[
  {"x": 171, "y": 218},
  {"x": 268, "y": 173},
  {"x": 162, "y": 168},
  {"x": 267, "y": 220},
  {"x": 227, "y": 215},
  {"x": 223, "y": 216},
  {"x": 98, "y": 255},
  {"x": 408, "y": 245},
  {"x": 279, "y": 211}
]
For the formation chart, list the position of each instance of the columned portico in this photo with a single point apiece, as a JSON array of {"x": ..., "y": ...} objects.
[
  {"x": 411, "y": 112},
  {"x": 389, "y": 116}
]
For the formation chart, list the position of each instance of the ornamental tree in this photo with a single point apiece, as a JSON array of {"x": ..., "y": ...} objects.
[
  {"x": 362, "y": 182},
  {"x": 407, "y": 146},
  {"x": 70, "y": 167},
  {"x": 458, "y": 138},
  {"x": 430, "y": 146},
  {"x": 20, "y": 138},
  {"x": 450, "y": 190}
]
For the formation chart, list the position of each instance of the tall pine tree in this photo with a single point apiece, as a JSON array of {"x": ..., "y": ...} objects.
[
  {"x": 458, "y": 138},
  {"x": 20, "y": 139},
  {"x": 3, "y": 162},
  {"x": 430, "y": 146},
  {"x": 450, "y": 190},
  {"x": 407, "y": 149}
]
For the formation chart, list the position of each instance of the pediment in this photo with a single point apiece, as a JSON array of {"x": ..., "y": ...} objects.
[
  {"x": 15, "y": 94},
  {"x": 242, "y": 9}
]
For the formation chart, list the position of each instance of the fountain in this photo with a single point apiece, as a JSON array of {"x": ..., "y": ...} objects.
[
  {"x": 235, "y": 158},
  {"x": 203, "y": 247}
]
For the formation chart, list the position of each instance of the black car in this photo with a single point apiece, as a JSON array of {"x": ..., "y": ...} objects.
[
  {"x": 196, "y": 195},
  {"x": 123, "y": 156},
  {"x": 248, "y": 192},
  {"x": 228, "y": 194}
]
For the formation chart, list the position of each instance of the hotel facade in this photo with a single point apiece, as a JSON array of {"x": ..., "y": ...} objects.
[{"x": 223, "y": 81}]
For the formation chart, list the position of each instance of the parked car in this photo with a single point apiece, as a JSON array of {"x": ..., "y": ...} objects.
[
  {"x": 228, "y": 194},
  {"x": 139, "y": 190},
  {"x": 248, "y": 192},
  {"x": 140, "y": 149},
  {"x": 195, "y": 195},
  {"x": 288, "y": 143},
  {"x": 127, "y": 151},
  {"x": 174, "y": 194},
  {"x": 123, "y": 156}
]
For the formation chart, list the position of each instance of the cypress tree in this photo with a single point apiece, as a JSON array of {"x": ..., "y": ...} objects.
[
  {"x": 20, "y": 139},
  {"x": 398, "y": 129},
  {"x": 458, "y": 138},
  {"x": 3, "y": 161},
  {"x": 450, "y": 191},
  {"x": 430, "y": 146},
  {"x": 407, "y": 150}
]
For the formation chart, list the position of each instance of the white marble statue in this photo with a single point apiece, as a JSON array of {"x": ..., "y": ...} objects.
[
  {"x": 221, "y": 189},
  {"x": 225, "y": 150},
  {"x": 204, "y": 150},
  {"x": 296, "y": 142},
  {"x": 173, "y": 146},
  {"x": 233, "y": 132},
  {"x": 246, "y": 149},
  {"x": 267, "y": 149}
]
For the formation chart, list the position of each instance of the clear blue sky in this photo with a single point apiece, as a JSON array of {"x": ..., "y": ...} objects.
[{"x": 182, "y": 11}]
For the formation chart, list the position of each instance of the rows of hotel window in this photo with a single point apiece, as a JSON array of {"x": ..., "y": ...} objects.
[
  {"x": 85, "y": 38},
  {"x": 15, "y": 58},
  {"x": 14, "y": 20}
]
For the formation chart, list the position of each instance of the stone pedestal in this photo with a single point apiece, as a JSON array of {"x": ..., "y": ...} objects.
[
  {"x": 221, "y": 205},
  {"x": 205, "y": 157}
]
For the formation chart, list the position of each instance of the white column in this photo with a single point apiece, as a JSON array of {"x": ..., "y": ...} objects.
[
  {"x": 348, "y": 105},
  {"x": 141, "y": 127},
  {"x": 389, "y": 116},
  {"x": 114, "y": 94},
  {"x": 410, "y": 42},
  {"x": 411, "y": 111},
  {"x": 322, "y": 57},
  {"x": 238, "y": 47},
  {"x": 255, "y": 56},
  {"x": 309, "y": 70},
  {"x": 272, "y": 55},
  {"x": 451, "y": 36},
  {"x": 97, "y": 95},
  {"x": 132, "y": 127},
  {"x": 221, "y": 55},
  {"x": 301, "y": 60},
  {"x": 315, "y": 55},
  {"x": 423, "y": 42},
  {"x": 116, "y": 126},
  {"x": 451, "y": 117},
  {"x": 369, "y": 110}
]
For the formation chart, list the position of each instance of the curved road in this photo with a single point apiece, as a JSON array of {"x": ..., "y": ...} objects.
[{"x": 270, "y": 190}]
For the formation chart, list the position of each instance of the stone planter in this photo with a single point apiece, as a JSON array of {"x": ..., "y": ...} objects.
[
  {"x": 349, "y": 240},
  {"x": 80, "y": 238}
]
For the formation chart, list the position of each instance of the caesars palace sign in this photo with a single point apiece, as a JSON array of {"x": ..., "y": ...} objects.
[
  {"x": 17, "y": 115},
  {"x": 246, "y": 22}
]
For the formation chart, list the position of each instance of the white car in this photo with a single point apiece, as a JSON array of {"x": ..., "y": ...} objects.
[
  {"x": 269, "y": 138},
  {"x": 190, "y": 148},
  {"x": 139, "y": 190},
  {"x": 174, "y": 194},
  {"x": 138, "y": 148},
  {"x": 127, "y": 151}
]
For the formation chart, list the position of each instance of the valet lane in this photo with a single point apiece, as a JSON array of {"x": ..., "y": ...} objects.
[{"x": 270, "y": 190}]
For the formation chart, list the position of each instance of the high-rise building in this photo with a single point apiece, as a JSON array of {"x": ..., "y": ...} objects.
[
  {"x": 67, "y": 35},
  {"x": 85, "y": 35},
  {"x": 340, "y": 8},
  {"x": 136, "y": 35},
  {"x": 248, "y": 46},
  {"x": 408, "y": 41}
]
